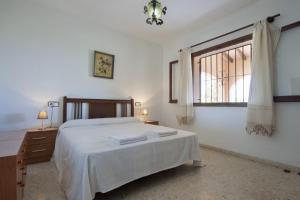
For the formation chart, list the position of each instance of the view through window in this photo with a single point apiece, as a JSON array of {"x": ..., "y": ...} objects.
[{"x": 223, "y": 75}]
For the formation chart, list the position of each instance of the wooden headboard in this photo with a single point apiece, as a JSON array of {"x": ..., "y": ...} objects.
[{"x": 97, "y": 108}]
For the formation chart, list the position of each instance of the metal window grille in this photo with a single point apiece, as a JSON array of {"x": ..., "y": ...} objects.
[{"x": 224, "y": 75}]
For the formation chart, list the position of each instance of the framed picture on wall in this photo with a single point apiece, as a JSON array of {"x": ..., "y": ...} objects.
[{"x": 103, "y": 65}]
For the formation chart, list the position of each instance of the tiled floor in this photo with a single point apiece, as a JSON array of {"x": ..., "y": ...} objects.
[{"x": 224, "y": 177}]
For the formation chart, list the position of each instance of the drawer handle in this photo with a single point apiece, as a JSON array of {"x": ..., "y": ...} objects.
[
  {"x": 21, "y": 184},
  {"x": 39, "y": 138},
  {"x": 39, "y": 150},
  {"x": 24, "y": 173}
]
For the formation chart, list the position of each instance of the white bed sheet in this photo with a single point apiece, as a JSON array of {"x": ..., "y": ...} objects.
[{"x": 88, "y": 161}]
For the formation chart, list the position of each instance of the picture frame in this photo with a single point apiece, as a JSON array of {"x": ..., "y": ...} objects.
[{"x": 103, "y": 65}]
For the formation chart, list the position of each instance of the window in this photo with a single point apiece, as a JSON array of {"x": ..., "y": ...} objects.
[
  {"x": 221, "y": 74},
  {"x": 173, "y": 78}
]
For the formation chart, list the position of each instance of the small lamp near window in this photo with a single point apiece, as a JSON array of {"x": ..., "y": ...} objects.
[
  {"x": 145, "y": 113},
  {"x": 42, "y": 116}
]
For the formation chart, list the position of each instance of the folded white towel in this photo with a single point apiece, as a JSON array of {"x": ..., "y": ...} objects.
[
  {"x": 165, "y": 134},
  {"x": 152, "y": 134},
  {"x": 137, "y": 132},
  {"x": 160, "y": 131},
  {"x": 123, "y": 139},
  {"x": 132, "y": 140}
]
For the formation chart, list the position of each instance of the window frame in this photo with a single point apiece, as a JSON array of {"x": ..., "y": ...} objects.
[
  {"x": 215, "y": 48},
  {"x": 171, "y": 100}
]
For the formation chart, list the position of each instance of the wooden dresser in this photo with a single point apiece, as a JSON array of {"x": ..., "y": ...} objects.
[
  {"x": 40, "y": 145},
  {"x": 12, "y": 168}
]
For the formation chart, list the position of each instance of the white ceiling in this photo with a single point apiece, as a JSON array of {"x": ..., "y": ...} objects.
[{"x": 127, "y": 15}]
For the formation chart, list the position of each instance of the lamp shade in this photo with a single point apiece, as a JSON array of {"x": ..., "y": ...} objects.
[
  {"x": 154, "y": 9},
  {"x": 42, "y": 115},
  {"x": 145, "y": 112}
]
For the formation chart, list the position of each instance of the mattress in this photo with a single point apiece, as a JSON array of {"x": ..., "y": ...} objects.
[{"x": 89, "y": 161}]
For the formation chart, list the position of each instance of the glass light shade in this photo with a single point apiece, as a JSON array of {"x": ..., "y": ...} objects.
[
  {"x": 157, "y": 11},
  {"x": 145, "y": 112},
  {"x": 43, "y": 115}
]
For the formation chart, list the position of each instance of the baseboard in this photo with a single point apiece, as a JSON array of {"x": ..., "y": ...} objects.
[{"x": 253, "y": 158}]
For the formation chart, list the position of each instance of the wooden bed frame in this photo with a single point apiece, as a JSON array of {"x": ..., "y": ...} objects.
[{"x": 97, "y": 108}]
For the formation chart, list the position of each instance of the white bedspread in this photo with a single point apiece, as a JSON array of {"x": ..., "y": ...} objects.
[{"x": 89, "y": 161}]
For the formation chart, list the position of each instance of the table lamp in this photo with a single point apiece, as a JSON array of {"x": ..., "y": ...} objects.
[
  {"x": 42, "y": 116},
  {"x": 145, "y": 113}
]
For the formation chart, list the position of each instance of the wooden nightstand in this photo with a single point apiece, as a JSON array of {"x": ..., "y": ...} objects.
[
  {"x": 153, "y": 122},
  {"x": 39, "y": 145}
]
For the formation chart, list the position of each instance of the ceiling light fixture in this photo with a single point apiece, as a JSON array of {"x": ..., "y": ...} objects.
[{"x": 155, "y": 11}]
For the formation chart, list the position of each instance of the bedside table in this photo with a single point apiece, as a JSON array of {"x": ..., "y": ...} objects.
[
  {"x": 39, "y": 145},
  {"x": 153, "y": 122}
]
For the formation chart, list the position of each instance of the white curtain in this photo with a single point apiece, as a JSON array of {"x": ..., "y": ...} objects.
[
  {"x": 185, "y": 88},
  {"x": 260, "y": 112}
]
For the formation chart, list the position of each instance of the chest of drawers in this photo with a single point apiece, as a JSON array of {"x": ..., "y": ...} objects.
[
  {"x": 12, "y": 166},
  {"x": 39, "y": 145}
]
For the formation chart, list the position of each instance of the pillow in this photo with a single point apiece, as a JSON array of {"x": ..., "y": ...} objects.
[{"x": 99, "y": 121}]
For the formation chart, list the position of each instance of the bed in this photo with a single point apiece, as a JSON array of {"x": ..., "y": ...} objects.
[{"x": 90, "y": 156}]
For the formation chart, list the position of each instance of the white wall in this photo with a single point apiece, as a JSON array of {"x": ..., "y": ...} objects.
[
  {"x": 45, "y": 54},
  {"x": 225, "y": 127}
]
